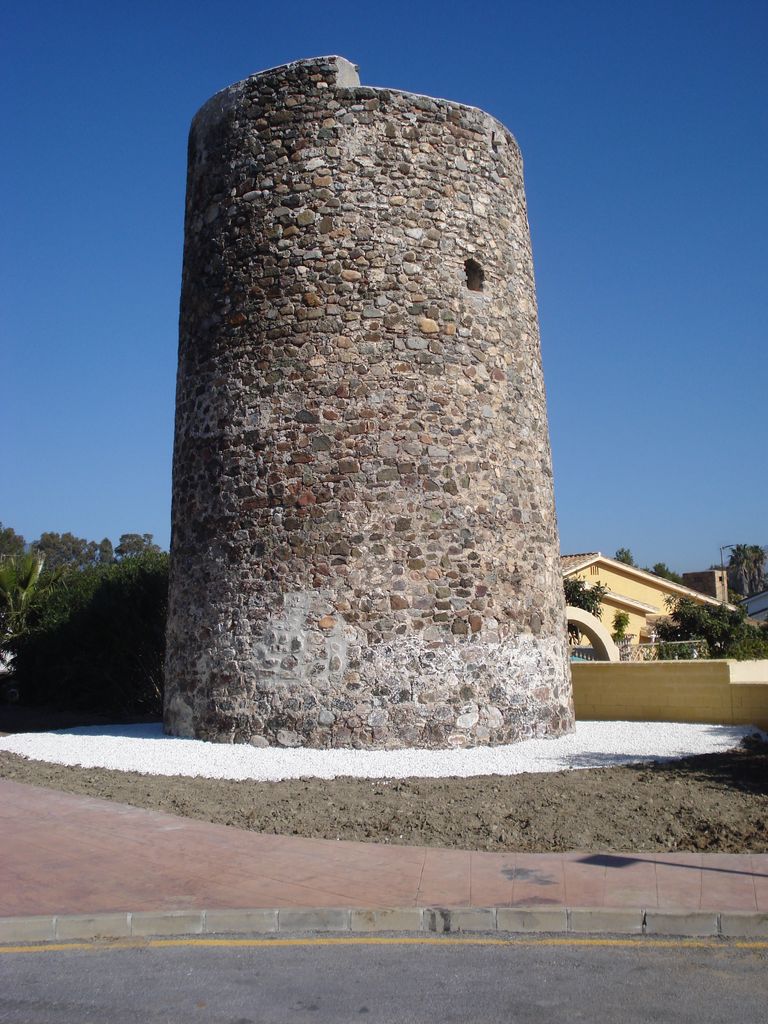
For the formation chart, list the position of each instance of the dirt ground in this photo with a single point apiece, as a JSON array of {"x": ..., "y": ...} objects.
[{"x": 711, "y": 802}]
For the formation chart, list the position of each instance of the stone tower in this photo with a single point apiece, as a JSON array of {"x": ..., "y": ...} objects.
[{"x": 364, "y": 547}]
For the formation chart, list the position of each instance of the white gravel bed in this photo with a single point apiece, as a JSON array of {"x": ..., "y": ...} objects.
[{"x": 144, "y": 748}]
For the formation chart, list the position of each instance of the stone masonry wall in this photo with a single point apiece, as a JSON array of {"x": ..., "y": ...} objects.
[{"x": 364, "y": 547}]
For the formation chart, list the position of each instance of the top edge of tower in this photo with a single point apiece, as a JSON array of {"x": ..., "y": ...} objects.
[{"x": 347, "y": 78}]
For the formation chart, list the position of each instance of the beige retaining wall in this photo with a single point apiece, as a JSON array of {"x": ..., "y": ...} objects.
[{"x": 718, "y": 692}]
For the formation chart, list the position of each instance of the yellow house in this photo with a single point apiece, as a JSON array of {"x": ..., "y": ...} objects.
[{"x": 641, "y": 595}]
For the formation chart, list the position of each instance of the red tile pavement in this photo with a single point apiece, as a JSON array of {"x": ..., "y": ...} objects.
[{"x": 64, "y": 854}]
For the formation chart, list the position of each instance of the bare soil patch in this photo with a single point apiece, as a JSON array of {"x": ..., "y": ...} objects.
[{"x": 710, "y": 802}]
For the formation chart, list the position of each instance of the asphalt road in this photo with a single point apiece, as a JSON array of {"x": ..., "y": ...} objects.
[{"x": 327, "y": 981}]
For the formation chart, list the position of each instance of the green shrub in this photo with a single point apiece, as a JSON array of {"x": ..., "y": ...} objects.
[
  {"x": 725, "y": 630},
  {"x": 682, "y": 651},
  {"x": 620, "y": 623},
  {"x": 97, "y": 640}
]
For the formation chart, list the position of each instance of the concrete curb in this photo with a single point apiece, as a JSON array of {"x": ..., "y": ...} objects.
[{"x": 426, "y": 920}]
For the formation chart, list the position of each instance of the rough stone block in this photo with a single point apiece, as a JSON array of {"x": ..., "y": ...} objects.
[
  {"x": 321, "y": 919},
  {"x": 681, "y": 922},
  {"x": 474, "y": 919},
  {"x": 169, "y": 922},
  {"x": 27, "y": 929},
  {"x": 406, "y": 919},
  {"x": 241, "y": 922},
  {"x": 746, "y": 924},
  {"x": 520, "y": 919},
  {"x": 605, "y": 920},
  {"x": 93, "y": 926}
]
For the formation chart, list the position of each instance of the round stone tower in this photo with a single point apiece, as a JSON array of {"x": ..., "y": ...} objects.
[{"x": 364, "y": 547}]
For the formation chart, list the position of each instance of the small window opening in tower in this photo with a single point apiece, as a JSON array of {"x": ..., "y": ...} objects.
[
  {"x": 494, "y": 142},
  {"x": 475, "y": 275}
]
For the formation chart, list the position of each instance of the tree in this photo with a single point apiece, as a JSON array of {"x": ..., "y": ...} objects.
[
  {"x": 105, "y": 552},
  {"x": 11, "y": 543},
  {"x": 663, "y": 570},
  {"x": 579, "y": 594},
  {"x": 624, "y": 555},
  {"x": 66, "y": 550},
  {"x": 725, "y": 631},
  {"x": 747, "y": 568},
  {"x": 132, "y": 544},
  {"x": 620, "y": 623},
  {"x": 97, "y": 641}
]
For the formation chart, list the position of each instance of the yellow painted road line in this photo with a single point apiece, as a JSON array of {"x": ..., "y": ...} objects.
[{"x": 206, "y": 943}]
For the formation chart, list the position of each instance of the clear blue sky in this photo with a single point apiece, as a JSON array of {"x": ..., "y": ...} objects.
[{"x": 645, "y": 137}]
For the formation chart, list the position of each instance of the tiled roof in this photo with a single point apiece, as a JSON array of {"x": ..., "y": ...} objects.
[{"x": 568, "y": 561}]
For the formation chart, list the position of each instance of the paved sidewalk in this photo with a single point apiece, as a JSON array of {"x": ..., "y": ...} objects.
[{"x": 63, "y": 854}]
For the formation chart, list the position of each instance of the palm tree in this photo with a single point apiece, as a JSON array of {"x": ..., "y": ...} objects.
[
  {"x": 757, "y": 562},
  {"x": 19, "y": 585},
  {"x": 747, "y": 564}
]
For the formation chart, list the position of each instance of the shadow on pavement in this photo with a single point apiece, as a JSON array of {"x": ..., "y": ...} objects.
[{"x": 609, "y": 860}]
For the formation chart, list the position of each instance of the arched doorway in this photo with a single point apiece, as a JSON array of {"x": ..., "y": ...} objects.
[{"x": 599, "y": 637}]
